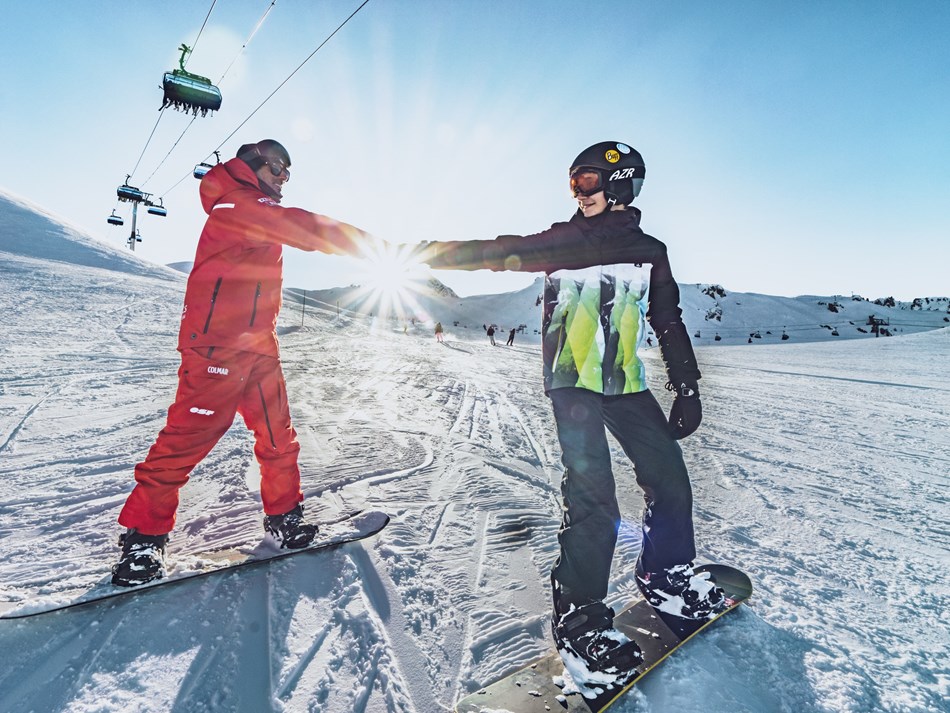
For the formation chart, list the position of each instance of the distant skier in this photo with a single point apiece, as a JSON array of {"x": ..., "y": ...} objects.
[
  {"x": 603, "y": 276},
  {"x": 491, "y": 334},
  {"x": 438, "y": 331},
  {"x": 229, "y": 355},
  {"x": 511, "y": 338}
]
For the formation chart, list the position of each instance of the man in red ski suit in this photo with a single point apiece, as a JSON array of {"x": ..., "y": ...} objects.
[{"x": 230, "y": 359}]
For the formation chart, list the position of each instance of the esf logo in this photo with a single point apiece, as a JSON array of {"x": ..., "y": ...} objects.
[
  {"x": 622, "y": 173},
  {"x": 222, "y": 370}
]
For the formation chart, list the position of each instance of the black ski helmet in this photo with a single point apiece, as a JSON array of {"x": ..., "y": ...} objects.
[
  {"x": 256, "y": 155},
  {"x": 621, "y": 169}
]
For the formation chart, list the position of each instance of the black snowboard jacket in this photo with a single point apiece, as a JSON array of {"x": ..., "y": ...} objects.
[{"x": 603, "y": 277}]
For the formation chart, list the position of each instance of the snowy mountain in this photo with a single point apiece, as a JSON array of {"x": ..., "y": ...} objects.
[
  {"x": 820, "y": 469},
  {"x": 713, "y": 315}
]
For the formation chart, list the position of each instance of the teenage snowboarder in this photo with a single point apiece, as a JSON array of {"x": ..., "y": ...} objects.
[
  {"x": 603, "y": 276},
  {"x": 229, "y": 355}
]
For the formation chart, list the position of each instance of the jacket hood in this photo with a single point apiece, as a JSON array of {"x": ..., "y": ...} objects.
[{"x": 226, "y": 178}]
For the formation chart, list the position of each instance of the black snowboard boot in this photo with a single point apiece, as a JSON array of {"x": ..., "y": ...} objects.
[
  {"x": 682, "y": 592},
  {"x": 142, "y": 560},
  {"x": 290, "y": 530},
  {"x": 596, "y": 654}
]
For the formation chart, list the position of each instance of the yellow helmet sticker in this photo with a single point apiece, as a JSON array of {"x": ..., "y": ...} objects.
[{"x": 612, "y": 156}]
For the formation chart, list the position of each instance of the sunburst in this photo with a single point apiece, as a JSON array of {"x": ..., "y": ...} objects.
[{"x": 391, "y": 276}]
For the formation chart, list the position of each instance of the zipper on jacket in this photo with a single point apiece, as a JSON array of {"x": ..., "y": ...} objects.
[
  {"x": 214, "y": 297},
  {"x": 257, "y": 294}
]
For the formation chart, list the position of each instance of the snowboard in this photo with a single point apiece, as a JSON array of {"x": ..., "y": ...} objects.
[
  {"x": 544, "y": 686},
  {"x": 350, "y": 528}
]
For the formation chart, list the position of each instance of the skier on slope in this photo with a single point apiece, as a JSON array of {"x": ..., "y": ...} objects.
[
  {"x": 603, "y": 276},
  {"x": 230, "y": 360}
]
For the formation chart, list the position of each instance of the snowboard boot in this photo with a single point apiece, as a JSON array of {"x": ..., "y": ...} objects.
[
  {"x": 290, "y": 530},
  {"x": 142, "y": 560},
  {"x": 682, "y": 592},
  {"x": 597, "y": 655}
]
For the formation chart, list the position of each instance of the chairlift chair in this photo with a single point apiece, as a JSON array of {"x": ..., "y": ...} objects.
[
  {"x": 189, "y": 92},
  {"x": 125, "y": 192},
  {"x": 157, "y": 209},
  {"x": 202, "y": 168},
  {"x": 115, "y": 219}
]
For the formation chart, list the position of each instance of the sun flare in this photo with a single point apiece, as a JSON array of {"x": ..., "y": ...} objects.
[{"x": 391, "y": 276}]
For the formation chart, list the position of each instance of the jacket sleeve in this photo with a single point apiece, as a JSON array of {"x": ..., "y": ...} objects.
[
  {"x": 558, "y": 246},
  {"x": 666, "y": 318},
  {"x": 266, "y": 221}
]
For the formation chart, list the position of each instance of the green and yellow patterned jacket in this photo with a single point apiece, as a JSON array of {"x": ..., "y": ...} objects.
[{"x": 603, "y": 278}]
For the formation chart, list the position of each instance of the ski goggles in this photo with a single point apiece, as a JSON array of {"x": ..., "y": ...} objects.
[
  {"x": 586, "y": 182},
  {"x": 277, "y": 168}
]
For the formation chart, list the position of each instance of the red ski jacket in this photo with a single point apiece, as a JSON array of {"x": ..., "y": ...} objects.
[{"x": 234, "y": 290}]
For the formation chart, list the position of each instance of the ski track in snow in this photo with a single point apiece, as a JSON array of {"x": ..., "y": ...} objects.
[{"x": 816, "y": 470}]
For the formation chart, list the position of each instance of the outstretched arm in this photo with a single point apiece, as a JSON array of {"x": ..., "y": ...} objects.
[
  {"x": 263, "y": 220},
  {"x": 560, "y": 246}
]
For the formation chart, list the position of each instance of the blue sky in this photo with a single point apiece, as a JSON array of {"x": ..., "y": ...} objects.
[{"x": 791, "y": 148}]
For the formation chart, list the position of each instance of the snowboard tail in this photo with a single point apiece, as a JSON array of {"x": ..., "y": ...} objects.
[
  {"x": 544, "y": 686},
  {"x": 352, "y": 527}
]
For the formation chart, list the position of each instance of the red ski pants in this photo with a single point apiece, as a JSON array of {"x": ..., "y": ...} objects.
[{"x": 211, "y": 391}]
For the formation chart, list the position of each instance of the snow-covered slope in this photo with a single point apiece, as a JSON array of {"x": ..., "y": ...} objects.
[
  {"x": 821, "y": 469},
  {"x": 30, "y": 232},
  {"x": 717, "y": 316}
]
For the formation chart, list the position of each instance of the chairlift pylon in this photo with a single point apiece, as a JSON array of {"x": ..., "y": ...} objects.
[
  {"x": 135, "y": 237},
  {"x": 189, "y": 92},
  {"x": 133, "y": 195}
]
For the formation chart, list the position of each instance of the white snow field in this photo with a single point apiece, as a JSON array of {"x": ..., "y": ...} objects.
[{"x": 820, "y": 469}]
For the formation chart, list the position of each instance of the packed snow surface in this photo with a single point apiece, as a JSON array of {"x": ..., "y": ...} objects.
[{"x": 820, "y": 469}]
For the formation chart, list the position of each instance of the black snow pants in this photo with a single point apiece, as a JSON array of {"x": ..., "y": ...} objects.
[{"x": 591, "y": 516}]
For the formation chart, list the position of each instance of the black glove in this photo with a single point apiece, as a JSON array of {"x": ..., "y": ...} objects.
[{"x": 687, "y": 411}]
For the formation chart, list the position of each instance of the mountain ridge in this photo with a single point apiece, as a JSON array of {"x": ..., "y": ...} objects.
[{"x": 713, "y": 314}]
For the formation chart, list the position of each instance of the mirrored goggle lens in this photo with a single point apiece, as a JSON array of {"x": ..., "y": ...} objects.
[
  {"x": 277, "y": 168},
  {"x": 586, "y": 183}
]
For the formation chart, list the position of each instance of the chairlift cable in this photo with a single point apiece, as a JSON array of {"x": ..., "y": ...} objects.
[
  {"x": 248, "y": 40},
  {"x": 162, "y": 162},
  {"x": 240, "y": 52},
  {"x": 195, "y": 43},
  {"x": 162, "y": 111},
  {"x": 144, "y": 148},
  {"x": 299, "y": 67},
  {"x": 269, "y": 96}
]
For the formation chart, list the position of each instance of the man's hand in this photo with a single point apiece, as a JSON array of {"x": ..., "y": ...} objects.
[{"x": 687, "y": 411}]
